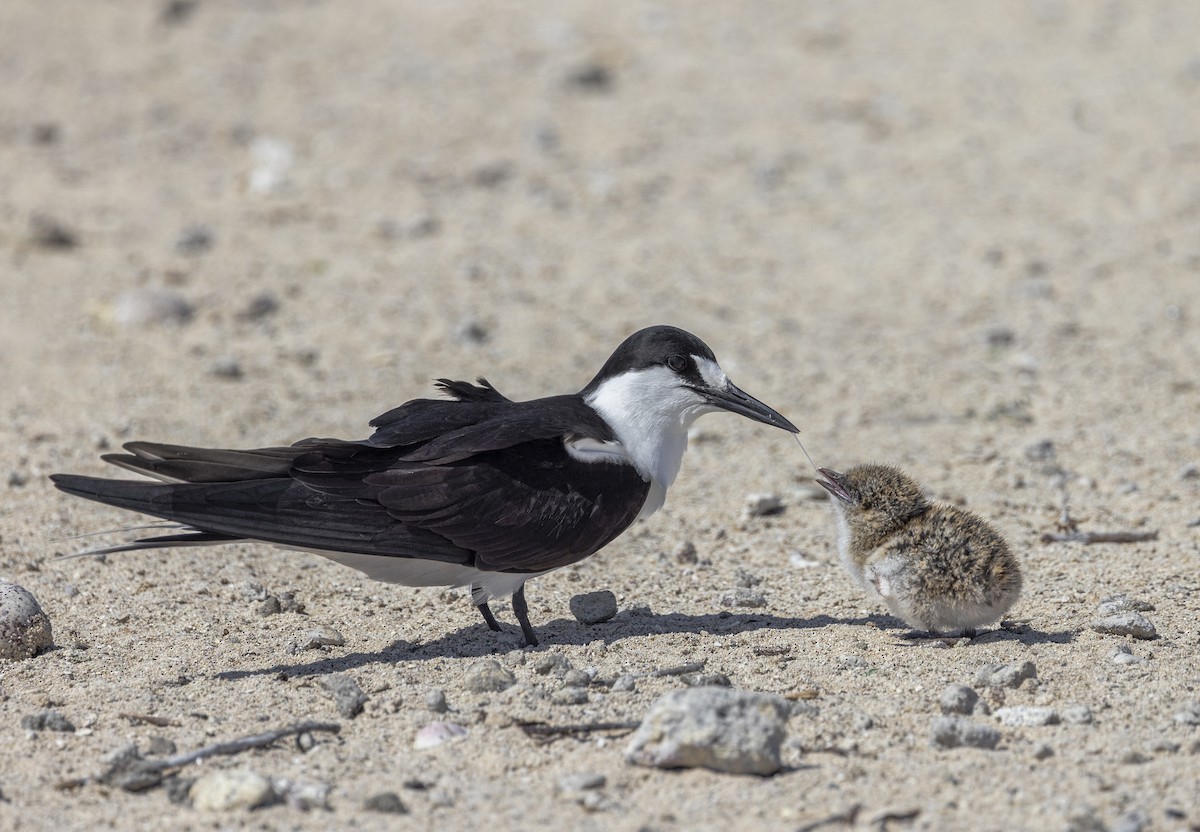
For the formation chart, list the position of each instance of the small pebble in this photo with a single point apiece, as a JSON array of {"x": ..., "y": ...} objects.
[
  {"x": 741, "y": 596},
  {"x": 321, "y": 637},
  {"x": 1124, "y": 656},
  {"x": 389, "y": 803},
  {"x": 159, "y": 746},
  {"x": 1190, "y": 471},
  {"x": 347, "y": 696},
  {"x": 582, "y": 782},
  {"x": 1042, "y": 751},
  {"x": 1077, "y": 715},
  {"x": 700, "y": 680},
  {"x": 625, "y": 683},
  {"x": 550, "y": 663},
  {"x": 957, "y": 731},
  {"x": 862, "y": 722},
  {"x": 227, "y": 367},
  {"x": 1025, "y": 715},
  {"x": 685, "y": 553},
  {"x": 143, "y": 307},
  {"x": 435, "y": 701},
  {"x": 225, "y": 789},
  {"x": 304, "y": 796},
  {"x": 1126, "y": 624},
  {"x": 1040, "y": 451},
  {"x": 261, "y": 306},
  {"x": 1134, "y": 820},
  {"x": 594, "y": 607},
  {"x": 591, "y": 77},
  {"x": 487, "y": 676},
  {"x": 1189, "y": 715},
  {"x": 576, "y": 679},
  {"x": 1114, "y": 604},
  {"x": 195, "y": 239},
  {"x": 762, "y": 505},
  {"x": 49, "y": 233},
  {"x": 958, "y": 699},
  {"x": 1005, "y": 675},
  {"x": 570, "y": 696},
  {"x": 437, "y": 733},
  {"x": 24, "y": 627},
  {"x": 305, "y": 741},
  {"x": 49, "y": 720}
]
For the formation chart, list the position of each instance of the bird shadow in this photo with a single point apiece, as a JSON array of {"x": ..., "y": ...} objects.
[{"x": 476, "y": 641}]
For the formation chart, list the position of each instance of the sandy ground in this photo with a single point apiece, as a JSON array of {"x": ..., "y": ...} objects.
[{"x": 932, "y": 234}]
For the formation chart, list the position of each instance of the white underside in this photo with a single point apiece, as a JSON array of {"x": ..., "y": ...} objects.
[{"x": 418, "y": 572}]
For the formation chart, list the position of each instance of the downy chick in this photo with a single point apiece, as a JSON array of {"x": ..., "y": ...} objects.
[{"x": 936, "y": 566}]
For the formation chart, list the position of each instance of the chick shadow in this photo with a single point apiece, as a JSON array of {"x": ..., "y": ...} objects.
[{"x": 477, "y": 641}]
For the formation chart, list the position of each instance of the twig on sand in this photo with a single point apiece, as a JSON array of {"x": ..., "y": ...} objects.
[
  {"x": 847, "y": 818},
  {"x": 144, "y": 767},
  {"x": 160, "y": 721},
  {"x": 884, "y": 819},
  {"x": 1100, "y": 537},
  {"x": 544, "y": 733},
  {"x": 243, "y": 744}
]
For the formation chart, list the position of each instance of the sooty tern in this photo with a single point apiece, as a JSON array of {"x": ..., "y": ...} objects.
[{"x": 477, "y": 490}]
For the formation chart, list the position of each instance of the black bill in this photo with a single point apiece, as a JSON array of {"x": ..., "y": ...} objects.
[{"x": 738, "y": 401}]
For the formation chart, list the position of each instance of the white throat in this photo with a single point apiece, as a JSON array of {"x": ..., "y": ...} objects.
[{"x": 650, "y": 412}]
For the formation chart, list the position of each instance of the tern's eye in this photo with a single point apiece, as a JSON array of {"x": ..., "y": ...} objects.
[{"x": 677, "y": 362}]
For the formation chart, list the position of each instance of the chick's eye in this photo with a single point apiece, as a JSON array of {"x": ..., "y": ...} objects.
[{"x": 676, "y": 362}]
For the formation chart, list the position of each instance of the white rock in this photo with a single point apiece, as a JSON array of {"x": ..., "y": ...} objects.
[
  {"x": 732, "y": 731},
  {"x": 24, "y": 627},
  {"x": 437, "y": 733},
  {"x": 231, "y": 789},
  {"x": 1026, "y": 715}
]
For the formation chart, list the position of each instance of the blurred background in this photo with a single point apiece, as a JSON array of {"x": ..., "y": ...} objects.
[{"x": 243, "y": 221}]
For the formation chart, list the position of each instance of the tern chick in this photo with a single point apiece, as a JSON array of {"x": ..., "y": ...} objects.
[{"x": 936, "y": 566}]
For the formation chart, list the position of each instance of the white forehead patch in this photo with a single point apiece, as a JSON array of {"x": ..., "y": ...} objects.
[{"x": 711, "y": 372}]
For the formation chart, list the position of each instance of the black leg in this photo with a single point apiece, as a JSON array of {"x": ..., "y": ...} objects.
[
  {"x": 521, "y": 610},
  {"x": 487, "y": 616}
]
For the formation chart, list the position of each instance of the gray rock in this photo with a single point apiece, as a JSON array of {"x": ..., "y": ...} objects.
[
  {"x": 958, "y": 699},
  {"x": 179, "y": 789},
  {"x": 261, "y": 306},
  {"x": 594, "y": 607},
  {"x": 625, "y": 683},
  {"x": 741, "y": 596},
  {"x": 1040, "y": 451},
  {"x": 576, "y": 679},
  {"x": 762, "y": 505},
  {"x": 700, "y": 680},
  {"x": 231, "y": 789},
  {"x": 304, "y": 796},
  {"x": 1124, "y": 656},
  {"x": 1077, "y": 715},
  {"x": 733, "y": 731},
  {"x": 487, "y": 676},
  {"x": 570, "y": 696},
  {"x": 50, "y": 720},
  {"x": 24, "y": 626},
  {"x": 958, "y": 731},
  {"x": 1125, "y": 624},
  {"x": 1042, "y": 751},
  {"x": 133, "y": 775},
  {"x": 347, "y": 696},
  {"x": 435, "y": 701},
  {"x": 862, "y": 722},
  {"x": 389, "y": 803},
  {"x": 685, "y": 553},
  {"x": 50, "y": 233},
  {"x": 1005, "y": 675},
  {"x": 322, "y": 636},
  {"x": 1113, "y": 604},
  {"x": 438, "y": 733},
  {"x": 550, "y": 663},
  {"x": 227, "y": 367},
  {"x": 1025, "y": 715},
  {"x": 1189, "y": 715},
  {"x": 159, "y": 746}
]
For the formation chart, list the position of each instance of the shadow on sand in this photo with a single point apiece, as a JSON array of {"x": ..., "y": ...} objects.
[{"x": 477, "y": 640}]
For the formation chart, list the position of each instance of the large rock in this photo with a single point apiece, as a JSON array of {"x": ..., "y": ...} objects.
[
  {"x": 487, "y": 676},
  {"x": 24, "y": 627},
  {"x": 725, "y": 730}
]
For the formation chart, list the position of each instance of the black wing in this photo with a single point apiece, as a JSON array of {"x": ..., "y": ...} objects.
[{"x": 496, "y": 490}]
